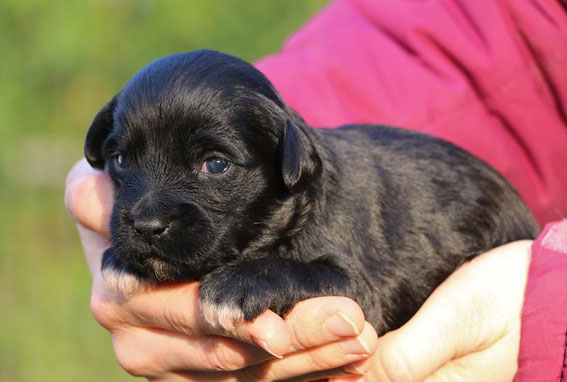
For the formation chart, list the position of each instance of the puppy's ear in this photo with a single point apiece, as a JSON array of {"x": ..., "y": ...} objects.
[
  {"x": 301, "y": 165},
  {"x": 99, "y": 130}
]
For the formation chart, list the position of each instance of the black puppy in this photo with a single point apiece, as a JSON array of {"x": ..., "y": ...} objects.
[{"x": 217, "y": 179}]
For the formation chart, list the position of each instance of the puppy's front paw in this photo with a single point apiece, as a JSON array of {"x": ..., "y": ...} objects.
[
  {"x": 221, "y": 319},
  {"x": 121, "y": 279},
  {"x": 227, "y": 299}
]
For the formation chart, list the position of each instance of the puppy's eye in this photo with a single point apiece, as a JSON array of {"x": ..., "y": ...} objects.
[
  {"x": 119, "y": 160},
  {"x": 215, "y": 165}
]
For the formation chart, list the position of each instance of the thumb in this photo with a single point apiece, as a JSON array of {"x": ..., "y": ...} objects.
[
  {"x": 476, "y": 310},
  {"x": 423, "y": 345},
  {"x": 89, "y": 197}
]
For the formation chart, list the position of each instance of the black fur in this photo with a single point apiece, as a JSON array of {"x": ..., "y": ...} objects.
[{"x": 378, "y": 214}]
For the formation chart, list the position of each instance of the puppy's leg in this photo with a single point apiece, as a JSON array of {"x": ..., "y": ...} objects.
[
  {"x": 121, "y": 278},
  {"x": 243, "y": 290}
]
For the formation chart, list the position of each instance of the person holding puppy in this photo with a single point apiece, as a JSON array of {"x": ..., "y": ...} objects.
[{"x": 457, "y": 70}]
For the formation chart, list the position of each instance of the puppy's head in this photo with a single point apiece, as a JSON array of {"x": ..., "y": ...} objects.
[{"x": 203, "y": 155}]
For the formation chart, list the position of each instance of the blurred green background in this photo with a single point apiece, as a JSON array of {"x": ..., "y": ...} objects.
[{"x": 61, "y": 61}]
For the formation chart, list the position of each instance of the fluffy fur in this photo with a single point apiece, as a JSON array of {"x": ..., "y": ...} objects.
[{"x": 378, "y": 214}]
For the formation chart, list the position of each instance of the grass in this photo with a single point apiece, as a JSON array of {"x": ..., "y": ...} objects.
[{"x": 62, "y": 60}]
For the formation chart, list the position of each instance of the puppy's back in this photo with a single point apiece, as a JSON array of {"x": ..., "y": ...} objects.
[
  {"x": 432, "y": 177},
  {"x": 419, "y": 206}
]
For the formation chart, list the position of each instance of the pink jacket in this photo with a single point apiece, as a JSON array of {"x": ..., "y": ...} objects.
[
  {"x": 490, "y": 76},
  {"x": 543, "y": 343}
]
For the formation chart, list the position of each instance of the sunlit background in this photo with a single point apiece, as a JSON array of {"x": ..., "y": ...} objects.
[{"x": 60, "y": 62}]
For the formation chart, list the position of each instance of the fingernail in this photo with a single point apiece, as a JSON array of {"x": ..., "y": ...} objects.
[
  {"x": 264, "y": 345},
  {"x": 340, "y": 325},
  {"x": 360, "y": 367},
  {"x": 355, "y": 346}
]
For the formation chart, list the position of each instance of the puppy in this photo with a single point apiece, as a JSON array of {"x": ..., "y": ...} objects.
[{"x": 216, "y": 179}]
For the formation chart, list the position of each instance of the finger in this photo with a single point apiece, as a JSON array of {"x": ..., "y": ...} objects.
[
  {"x": 89, "y": 197},
  {"x": 308, "y": 365},
  {"x": 151, "y": 352},
  {"x": 94, "y": 244},
  {"x": 311, "y": 323},
  {"x": 322, "y": 320},
  {"x": 469, "y": 312},
  {"x": 321, "y": 362},
  {"x": 175, "y": 307}
]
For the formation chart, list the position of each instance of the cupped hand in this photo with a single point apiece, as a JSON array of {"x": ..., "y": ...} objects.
[
  {"x": 160, "y": 333},
  {"x": 468, "y": 329}
]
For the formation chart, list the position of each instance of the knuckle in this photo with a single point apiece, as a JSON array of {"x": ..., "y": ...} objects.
[
  {"x": 349, "y": 307},
  {"x": 318, "y": 362},
  {"x": 220, "y": 357},
  {"x": 69, "y": 191},
  {"x": 105, "y": 311},
  {"x": 173, "y": 316},
  {"x": 137, "y": 364},
  {"x": 302, "y": 338},
  {"x": 370, "y": 337},
  {"x": 179, "y": 313},
  {"x": 71, "y": 199},
  {"x": 74, "y": 193}
]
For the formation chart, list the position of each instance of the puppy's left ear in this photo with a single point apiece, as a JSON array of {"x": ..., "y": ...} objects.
[
  {"x": 101, "y": 126},
  {"x": 300, "y": 163}
]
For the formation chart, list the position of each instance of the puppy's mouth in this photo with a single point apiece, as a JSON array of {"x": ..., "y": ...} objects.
[
  {"x": 148, "y": 260},
  {"x": 156, "y": 267},
  {"x": 159, "y": 268}
]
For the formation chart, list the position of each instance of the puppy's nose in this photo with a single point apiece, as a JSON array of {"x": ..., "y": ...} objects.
[{"x": 150, "y": 228}]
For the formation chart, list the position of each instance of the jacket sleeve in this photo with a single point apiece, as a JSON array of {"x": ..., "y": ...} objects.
[
  {"x": 487, "y": 75},
  {"x": 543, "y": 341}
]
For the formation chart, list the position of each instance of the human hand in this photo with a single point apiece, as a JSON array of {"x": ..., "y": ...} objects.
[
  {"x": 468, "y": 329},
  {"x": 160, "y": 334}
]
